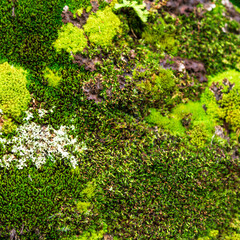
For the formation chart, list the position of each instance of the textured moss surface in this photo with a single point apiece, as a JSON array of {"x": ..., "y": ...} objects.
[
  {"x": 102, "y": 27},
  {"x": 71, "y": 38}
]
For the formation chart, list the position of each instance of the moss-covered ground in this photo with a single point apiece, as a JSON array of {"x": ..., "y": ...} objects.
[{"x": 119, "y": 122}]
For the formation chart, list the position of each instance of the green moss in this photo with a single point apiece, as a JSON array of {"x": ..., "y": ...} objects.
[
  {"x": 88, "y": 9},
  {"x": 91, "y": 234},
  {"x": 89, "y": 190},
  {"x": 208, "y": 99},
  {"x": 78, "y": 12},
  {"x": 156, "y": 84},
  {"x": 87, "y": 194},
  {"x": 230, "y": 109},
  {"x": 8, "y": 126},
  {"x": 173, "y": 125},
  {"x": 194, "y": 35},
  {"x": 165, "y": 80},
  {"x": 161, "y": 36},
  {"x": 204, "y": 238},
  {"x": 232, "y": 75},
  {"x": 14, "y": 96},
  {"x": 198, "y": 115},
  {"x": 82, "y": 207},
  {"x": 52, "y": 78},
  {"x": 234, "y": 236},
  {"x": 138, "y": 8},
  {"x": 199, "y": 135},
  {"x": 70, "y": 38},
  {"x": 213, "y": 233},
  {"x": 102, "y": 27}
]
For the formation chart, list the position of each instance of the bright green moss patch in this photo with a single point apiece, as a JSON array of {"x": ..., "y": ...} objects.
[
  {"x": 197, "y": 111},
  {"x": 89, "y": 190},
  {"x": 232, "y": 75},
  {"x": 52, "y": 78},
  {"x": 88, "y": 9},
  {"x": 230, "y": 110},
  {"x": 91, "y": 234},
  {"x": 87, "y": 193},
  {"x": 102, "y": 27},
  {"x": 14, "y": 96},
  {"x": 171, "y": 124},
  {"x": 78, "y": 12},
  {"x": 71, "y": 39},
  {"x": 186, "y": 116},
  {"x": 82, "y": 207}
]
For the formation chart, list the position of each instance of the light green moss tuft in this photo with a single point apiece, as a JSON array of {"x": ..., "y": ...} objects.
[
  {"x": 213, "y": 233},
  {"x": 88, "y": 9},
  {"x": 198, "y": 115},
  {"x": 230, "y": 109},
  {"x": 78, "y": 12},
  {"x": 199, "y": 135},
  {"x": 70, "y": 38},
  {"x": 161, "y": 36},
  {"x": 102, "y": 27},
  {"x": 89, "y": 190},
  {"x": 53, "y": 79},
  {"x": 14, "y": 96},
  {"x": 173, "y": 125},
  {"x": 83, "y": 207},
  {"x": 8, "y": 126},
  {"x": 232, "y": 75},
  {"x": 87, "y": 195}
]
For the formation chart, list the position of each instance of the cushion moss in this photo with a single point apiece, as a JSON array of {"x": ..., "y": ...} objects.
[
  {"x": 14, "y": 96},
  {"x": 102, "y": 27},
  {"x": 52, "y": 78},
  {"x": 70, "y": 38}
]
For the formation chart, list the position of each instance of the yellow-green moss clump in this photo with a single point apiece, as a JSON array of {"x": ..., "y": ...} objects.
[
  {"x": 14, "y": 96},
  {"x": 102, "y": 27},
  {"x": 198, "y": 115},
  {"x": 229, "y": 104},
  {"x": 87, "y": 194},
  {"x": 78, "y": 12},
  {"x": 70, "y": 38},
  {"x": 92, "y": 234},
  {"x": 230, "y": 110},
  {"x": 173, "y": 125},
  {"x": 232, "y": 75},
  {"x": 52, "y": 78},
  {"x": 199, "y": 135}
]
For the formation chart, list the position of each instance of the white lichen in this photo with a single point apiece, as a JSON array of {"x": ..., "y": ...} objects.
[{"x": 38, "y": 143}]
